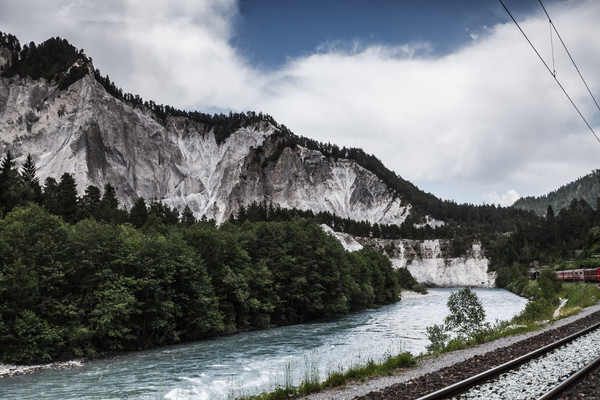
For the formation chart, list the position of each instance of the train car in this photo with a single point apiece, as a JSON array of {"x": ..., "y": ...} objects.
[
  {"x": 591, "y": 275},
  {"x": 578, "y": 275},
  {"x": 568, "y": 275},
  {"x": 560, "y": 275}
]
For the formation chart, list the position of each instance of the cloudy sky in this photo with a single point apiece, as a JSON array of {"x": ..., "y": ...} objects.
[{"x": 448, "y": 94}]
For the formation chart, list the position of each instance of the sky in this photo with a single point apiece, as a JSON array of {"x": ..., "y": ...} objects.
[{"x": 447, "y": 94}]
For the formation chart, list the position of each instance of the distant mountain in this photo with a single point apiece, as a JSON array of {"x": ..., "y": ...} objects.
[{"x": 586, "y": 188}]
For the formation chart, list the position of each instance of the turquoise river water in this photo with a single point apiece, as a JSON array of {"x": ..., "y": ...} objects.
[{"x": 253, "y": 362}]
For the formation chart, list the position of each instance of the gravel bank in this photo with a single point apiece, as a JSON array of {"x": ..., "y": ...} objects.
[
  {"x": 8, "y": 370},
  {"x": 437, "y": 372}
]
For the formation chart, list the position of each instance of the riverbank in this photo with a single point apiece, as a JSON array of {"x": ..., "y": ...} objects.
[
  {"x": 8, "y": 370},
  {"x": 378, "y": 387},
  {"x": 410, "y": 295}
]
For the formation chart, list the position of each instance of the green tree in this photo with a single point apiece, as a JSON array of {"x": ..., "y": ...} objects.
[
  {"x": 187, "y": 216},
  {"x": 28, "y": 174},
  {"x": 90, "y": 203},
  {"x": 109, "y": 206},
  {"x": 67, "y": 198},
  {"x": 467, "y": 315},
  {"x": 138, "y": 215},
  {"x": 50, "y": 196},
  {"x": 11, "y": 193},
  {"x": 549, "y": 284},
  {"x": 438, "y": 337}
]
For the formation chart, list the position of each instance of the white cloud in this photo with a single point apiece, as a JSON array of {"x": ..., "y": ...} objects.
[
  {"x": 504, "y": 200},
  {"x": 488, "y": 115}
]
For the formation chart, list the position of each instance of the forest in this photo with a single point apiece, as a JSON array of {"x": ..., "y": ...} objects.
[{"x": 80, "y": 277}]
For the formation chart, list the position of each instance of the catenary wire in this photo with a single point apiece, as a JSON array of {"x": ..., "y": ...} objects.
[
  {"x": 550, "y": 71},
  {"x": 569, "y": 54}
]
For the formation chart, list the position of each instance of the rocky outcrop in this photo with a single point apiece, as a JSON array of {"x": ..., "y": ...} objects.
[
  {"x": 429, "y": 261},
  {"x": 100, "y": 139}
]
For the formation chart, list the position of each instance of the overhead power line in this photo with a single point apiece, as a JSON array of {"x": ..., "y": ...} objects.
[
  {"x": 569, "y": 54},
  {"x": 553, "y": 73}
]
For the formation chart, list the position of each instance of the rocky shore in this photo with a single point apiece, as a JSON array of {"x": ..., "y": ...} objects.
[
  {"x": 434, "y": 373},
  {"x": 8, "y": 370}
]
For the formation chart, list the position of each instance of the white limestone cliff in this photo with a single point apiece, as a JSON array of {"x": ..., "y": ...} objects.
[
  {"x": 429, "y": 261},
  {"x": 100, "y": 139}
]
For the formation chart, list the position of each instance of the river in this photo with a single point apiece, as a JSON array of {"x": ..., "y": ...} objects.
[{"x": 253, "y": 362}]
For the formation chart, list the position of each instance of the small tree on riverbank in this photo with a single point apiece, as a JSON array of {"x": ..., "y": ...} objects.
[{"x": 466, "y": 319}]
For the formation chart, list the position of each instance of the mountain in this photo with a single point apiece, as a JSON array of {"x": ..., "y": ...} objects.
[
  {"x": 57, "y": 108},
  {"x": 585, "y": 188},
  {"x": 212, "y": 164}
]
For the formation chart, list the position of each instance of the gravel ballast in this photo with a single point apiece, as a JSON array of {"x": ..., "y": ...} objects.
[{"x": 434, "y": 373}]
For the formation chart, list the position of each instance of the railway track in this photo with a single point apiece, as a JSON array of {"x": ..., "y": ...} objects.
[
  {"x": 577, "y": 384},
  {"x": 542, "y": 374}
]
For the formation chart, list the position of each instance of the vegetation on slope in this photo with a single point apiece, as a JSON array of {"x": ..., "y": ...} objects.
[
  {"x": 80, "y": 276},
  {"x": 585, "y": 188},
  {"x": 54, "y": 60}
]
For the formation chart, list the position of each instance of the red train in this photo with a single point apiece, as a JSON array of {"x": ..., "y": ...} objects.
[{"x": 584, "y": 275}]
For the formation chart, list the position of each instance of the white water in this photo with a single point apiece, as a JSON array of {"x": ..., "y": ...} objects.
[{"x": 249, "y": 363}]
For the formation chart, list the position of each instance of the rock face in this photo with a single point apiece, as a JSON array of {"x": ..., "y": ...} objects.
[
  {"x": 430, "y": 261},
  {"x": 100, "y": 139}
]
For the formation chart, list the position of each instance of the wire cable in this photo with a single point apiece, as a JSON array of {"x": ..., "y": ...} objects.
[
  {"x": 550, "y": 71},
  {"x": 569, "y": 54}
]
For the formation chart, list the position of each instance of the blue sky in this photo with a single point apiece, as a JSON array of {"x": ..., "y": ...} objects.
[
  {"x": 448, "y": 94},
  {"x": 269, "y": 32}
]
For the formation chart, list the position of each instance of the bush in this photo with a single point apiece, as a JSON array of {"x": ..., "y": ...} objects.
[
  {"x": 540, "y": 309},
  {"x": 438, "y": 337},
  {"x": 420, "y": 288}
]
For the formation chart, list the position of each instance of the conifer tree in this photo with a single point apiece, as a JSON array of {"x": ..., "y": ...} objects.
[
  {"x": 187, "y": 216},
  {"x": 138, "y": 215},
  {"x": 50, "y": 195},
  {"x": 90, "y": 202},
  {"x": 67, "y": 198},
  {"x": 11, "y": 193},
  {"x": 28, "y": 174}
]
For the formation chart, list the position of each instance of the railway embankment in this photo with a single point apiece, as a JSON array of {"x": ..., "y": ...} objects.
[{"x": 434, "y": 373}]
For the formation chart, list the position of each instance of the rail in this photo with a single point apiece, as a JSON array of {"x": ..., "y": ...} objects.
[
  {"x": 478, "y": 379},
  {"x": 572, "y": 380}
]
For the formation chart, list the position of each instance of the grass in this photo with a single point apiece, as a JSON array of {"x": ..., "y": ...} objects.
[{"x": 311, "y": 383}]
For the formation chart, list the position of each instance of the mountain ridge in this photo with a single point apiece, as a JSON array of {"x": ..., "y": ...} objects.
[
  {"x": 585, "y": 188},
  {"x": 144, "y": 149}
]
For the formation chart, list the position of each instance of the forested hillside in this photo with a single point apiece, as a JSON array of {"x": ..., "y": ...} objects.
[
  {"x": 79, "y": 275},
  {"x": 53, "y": 59},
  {"x": 585, "y": 188}
]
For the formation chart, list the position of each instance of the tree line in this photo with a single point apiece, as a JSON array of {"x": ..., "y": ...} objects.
[
  {"x": 586, "y": 188},
  {"x": 566, "y": 240},
  {"x": 79, "y": 276},
  {"x": 53, "y": 60}
]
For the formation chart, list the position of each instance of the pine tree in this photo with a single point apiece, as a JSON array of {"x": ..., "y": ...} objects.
[
  {"x": 90, "y": 202},
  {"x": 187, "y": 217},
  {"x": 109, "y": 206},
  {"x": 50, "y": 195},
  {"x": 11, "y": 185},
  {"x": 28, "y": 170},
  {"x": 67, "y": 198},
  {"x": 28, "y": 174},
  {"x": 138, "y": 215}
]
